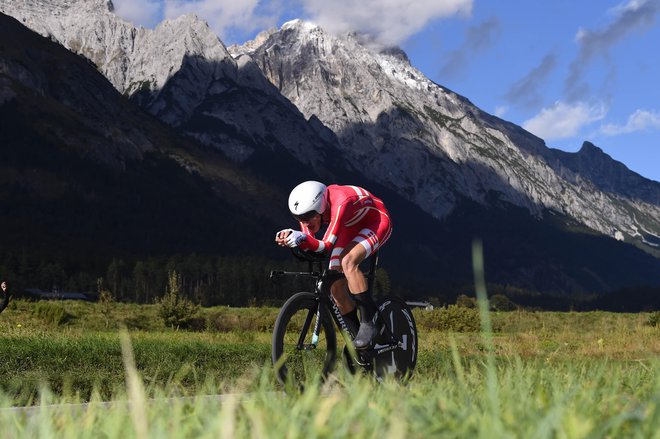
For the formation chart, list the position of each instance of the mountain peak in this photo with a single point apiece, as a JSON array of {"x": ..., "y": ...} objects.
[
  {"x": 300, "y": 25},
  {"x": 591, "y": 149},
  {"x": 134, "y": 60},
  {"x": 185, "y": 20},
  {"x": 397, "y": 53},
  {"x": 190, "y": 34},
  {"x": 250, "y": 46}
]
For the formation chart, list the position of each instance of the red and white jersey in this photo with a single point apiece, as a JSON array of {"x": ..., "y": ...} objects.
[{"x": 352, "y": 212}]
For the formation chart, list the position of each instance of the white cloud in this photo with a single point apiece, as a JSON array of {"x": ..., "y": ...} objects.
[
  {"x": 629, "y": 17},
  {"x": 145, "y": 13},
  {"x": 526, "y": 91},
  {"x": 222, "y": 15},
  {"x": 581, "y": 34},
  {"x": 477, "y": 38},
  {"x": 564, "y": 120},
  {"x": 390, "y": 22},
  {"x": 630, "y": 5},
  {"x": 638, "y": 121},
  {"x": 501, "y": 110},
  {"x": 226, "y": 17}
]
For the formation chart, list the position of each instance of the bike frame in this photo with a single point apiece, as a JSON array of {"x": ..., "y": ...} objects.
[{"x": 324, "y": 298}]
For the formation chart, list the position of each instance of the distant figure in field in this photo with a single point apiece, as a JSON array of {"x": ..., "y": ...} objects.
[{"x": 4, "y": 296}]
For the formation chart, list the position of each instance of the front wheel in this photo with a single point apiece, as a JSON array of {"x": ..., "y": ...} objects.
[
  {"x": 398, "y": 327},
  {"x": 298, "y": 354}
]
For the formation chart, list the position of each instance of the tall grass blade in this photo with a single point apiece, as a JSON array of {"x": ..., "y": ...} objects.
[
  {"x": 456, "y": 359},
  {"x": 486, "y": 332},
  {"x": 134, "y": 387}
]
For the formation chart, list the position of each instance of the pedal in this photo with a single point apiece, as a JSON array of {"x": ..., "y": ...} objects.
[{"x": 362, "y": 362}]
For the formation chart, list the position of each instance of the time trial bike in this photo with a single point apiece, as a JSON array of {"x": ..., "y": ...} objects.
[{"x": 304, "y": 337}]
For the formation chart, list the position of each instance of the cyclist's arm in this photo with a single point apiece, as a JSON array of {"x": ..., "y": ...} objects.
[{"x": 321, "y": 245}]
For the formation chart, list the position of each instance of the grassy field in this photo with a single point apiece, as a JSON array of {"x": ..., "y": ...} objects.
[{"x": 539, "y": 374}]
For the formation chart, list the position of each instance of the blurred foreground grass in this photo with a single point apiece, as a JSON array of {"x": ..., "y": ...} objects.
[{"x": 579, "y": 399}]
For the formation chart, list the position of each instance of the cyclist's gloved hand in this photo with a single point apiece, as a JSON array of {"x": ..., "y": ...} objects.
[
  {"x": 295, "y": 238},
  {"x": 282, "y": 233}
]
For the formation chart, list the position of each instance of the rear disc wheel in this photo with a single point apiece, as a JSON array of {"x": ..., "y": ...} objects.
[{"x": 397, "y": 323}]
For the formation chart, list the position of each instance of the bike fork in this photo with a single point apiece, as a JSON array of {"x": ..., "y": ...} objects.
[
  {"x": 317, "y": 326},
  {"x": 305, "y": 328}
]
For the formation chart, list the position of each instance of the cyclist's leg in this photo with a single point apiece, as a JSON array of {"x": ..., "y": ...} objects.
[
  {"x": 346, "y": 305},
  {"x": 340, "y": 289},
  {"x": 339, "y": 292},
  {"x": 346, "y": 258},
  {"x": 374, "y": 234},
  {"x": 351, "y": 257}
]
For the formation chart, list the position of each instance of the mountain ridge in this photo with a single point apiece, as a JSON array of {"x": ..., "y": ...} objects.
[
  {"x": 310, "y": 66},
  {"x": 72, "y": 146},
  {"x": 537, "y": 252}
]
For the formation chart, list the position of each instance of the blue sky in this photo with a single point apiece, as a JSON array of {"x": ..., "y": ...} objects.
[{"x": 568, "y": 71}]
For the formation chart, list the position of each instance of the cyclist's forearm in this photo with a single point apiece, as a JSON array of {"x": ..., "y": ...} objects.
[{"x": 313, "y": 244}]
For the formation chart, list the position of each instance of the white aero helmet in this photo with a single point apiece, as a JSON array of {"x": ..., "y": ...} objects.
[{"x": 307, "y": 199}]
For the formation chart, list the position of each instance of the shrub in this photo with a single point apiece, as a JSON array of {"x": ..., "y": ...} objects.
[
  {"x": 175, "y": 310},
  {"x": 106, "y": 300},
  {"x": 499, "y": 302},
  {"x": 221, "y": 322},
  {"x": 466, "y": 301},
  {"x": 52, "y": 313},
  {"x": 654, "y": 319}
]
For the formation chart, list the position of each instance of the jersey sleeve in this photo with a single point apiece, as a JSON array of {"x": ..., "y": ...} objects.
[{"x": 330, "y": 237}]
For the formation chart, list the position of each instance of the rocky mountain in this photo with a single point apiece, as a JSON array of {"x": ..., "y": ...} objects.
[
  {"x": 429, "y": 143},
  {"x": 85, "y": 172},
  {"x": 88, "y": 175},
  {"x": 435, "y": 146},
  {"x": 183, "y": 74},
  {"x": 448, "y": 171}
]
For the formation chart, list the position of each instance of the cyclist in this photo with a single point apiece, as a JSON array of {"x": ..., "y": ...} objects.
[
  {"x": 4, "y": 296},
  {"x": 358, "y": 225}
]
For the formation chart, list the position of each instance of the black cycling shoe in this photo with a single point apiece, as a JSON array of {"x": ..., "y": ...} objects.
[{"x": 365, "y": 335}]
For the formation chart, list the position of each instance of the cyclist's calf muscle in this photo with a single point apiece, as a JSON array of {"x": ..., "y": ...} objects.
[{"x": 339, "y": 291}]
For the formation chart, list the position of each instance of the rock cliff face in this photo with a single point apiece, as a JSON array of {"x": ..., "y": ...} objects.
[
  {"x": 88, "y": 174},
  {"x": 435, "y": 146},
  {"x": 45, "y": 82},
  {"x": 183, "y": 74}
]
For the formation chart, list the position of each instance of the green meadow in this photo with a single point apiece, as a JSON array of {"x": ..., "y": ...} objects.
[{"x": 537, "y": 374}]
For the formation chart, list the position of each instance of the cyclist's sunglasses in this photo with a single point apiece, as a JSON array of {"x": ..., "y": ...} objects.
[{"x": 306, "y": 216}]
